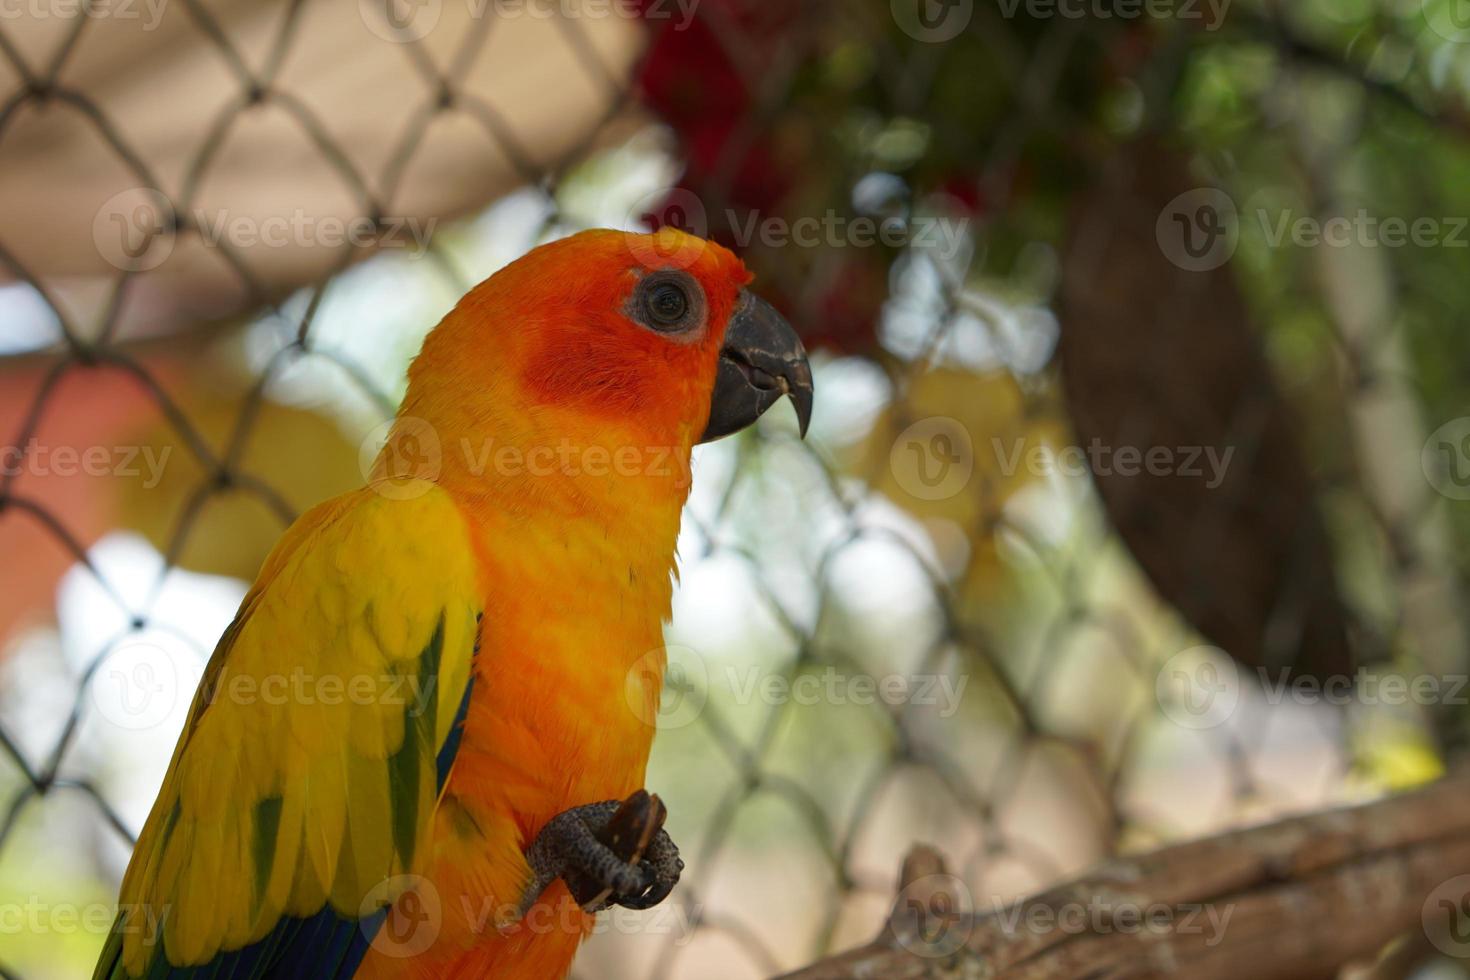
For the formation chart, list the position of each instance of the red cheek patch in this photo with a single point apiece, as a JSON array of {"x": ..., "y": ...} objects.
[{"x": 615, "y": 368}]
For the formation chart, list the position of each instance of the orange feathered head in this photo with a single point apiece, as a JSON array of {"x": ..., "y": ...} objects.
[{"x": 606, "y": 337}]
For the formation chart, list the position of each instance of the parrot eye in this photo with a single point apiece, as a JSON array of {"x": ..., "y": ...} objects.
[{"x": 669, "y": 302}]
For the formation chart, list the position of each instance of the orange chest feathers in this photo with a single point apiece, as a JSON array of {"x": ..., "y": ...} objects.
[{"x": 568, "y": 672}]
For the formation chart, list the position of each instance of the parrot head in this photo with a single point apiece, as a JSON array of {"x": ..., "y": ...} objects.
[{"x": 614, "y": 340}]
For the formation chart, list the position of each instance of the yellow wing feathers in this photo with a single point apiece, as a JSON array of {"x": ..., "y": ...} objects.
[{"x": 306, "y": 775}]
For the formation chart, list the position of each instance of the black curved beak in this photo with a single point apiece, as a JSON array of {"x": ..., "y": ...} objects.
[{"x": 761, "y": 362}]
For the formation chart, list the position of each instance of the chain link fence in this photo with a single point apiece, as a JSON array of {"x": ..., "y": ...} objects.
[{"x": 1123, "y": 520}]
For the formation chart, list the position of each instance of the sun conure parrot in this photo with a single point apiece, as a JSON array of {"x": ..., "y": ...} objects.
[{"x": 415, "y": 730}]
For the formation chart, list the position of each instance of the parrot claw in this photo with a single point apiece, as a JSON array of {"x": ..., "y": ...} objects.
[{"x": 609, "y": 853}]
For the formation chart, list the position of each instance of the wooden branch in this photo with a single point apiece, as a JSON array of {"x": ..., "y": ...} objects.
[{"x": 1291, "y": 900}]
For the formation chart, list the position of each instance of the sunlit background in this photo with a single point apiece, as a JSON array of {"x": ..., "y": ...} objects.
[{"x": 1037, "y": 609}]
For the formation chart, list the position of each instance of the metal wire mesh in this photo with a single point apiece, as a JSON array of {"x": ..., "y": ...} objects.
[{"x": 1070, "y": 746}]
